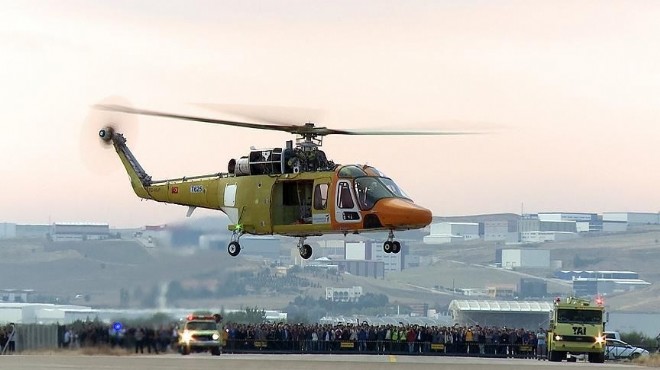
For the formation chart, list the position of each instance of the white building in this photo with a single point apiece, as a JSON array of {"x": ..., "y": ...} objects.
[
  {"x": 585, "y": 222},
  {"x": 343, "y": 294},
  {"x": 446, "y": 232},
  {"x": 393, "y": 262},
  {"x": 545, "y": 236},
  {"x": 639, "y": 218},
  {"x": 43, "y": 313},
  {"x": 7, "y": 230},
  {"x": 615, "y": 226},
  {"x": 501, "y": 231},
  {"x": 526, "y": 258},
  {"x": 65, "y": 231},
  {"x": 330, "y": 248},
  {"x": 356, "y": 251}
]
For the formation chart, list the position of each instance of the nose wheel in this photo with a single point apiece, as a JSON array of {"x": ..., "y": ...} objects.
[
  {"x": 234, "y": 247},
  {"x": 304, "y": 249},
  {"x": 391, "y": 245}
]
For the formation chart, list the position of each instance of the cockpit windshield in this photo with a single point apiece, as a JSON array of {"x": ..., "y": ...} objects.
[
  {"x": 370, "y": 190},
  {"x": 371, "y": 185},
  {"x": 394, "y": 188},
  {"x": 351, "y": 171}
]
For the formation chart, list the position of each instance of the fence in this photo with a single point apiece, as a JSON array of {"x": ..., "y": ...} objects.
[{"x": 35, "y": 337}]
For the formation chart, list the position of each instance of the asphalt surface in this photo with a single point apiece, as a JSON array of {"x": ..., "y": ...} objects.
[{"x": 280, "y": 362}]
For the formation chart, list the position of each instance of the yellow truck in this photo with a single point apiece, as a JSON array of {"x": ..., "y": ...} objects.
[{"x": 576, "y": 329}]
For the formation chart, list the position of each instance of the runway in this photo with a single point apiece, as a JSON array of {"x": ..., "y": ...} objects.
[{"x": 280, "y": 362}]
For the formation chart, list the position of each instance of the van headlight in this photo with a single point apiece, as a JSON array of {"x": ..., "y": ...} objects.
[
  {"x": 600, "y": 340},
  {"x": 558, "y": 337},
  {"x": 187, "y": 336},
  {"x": 215, "y": 336}
]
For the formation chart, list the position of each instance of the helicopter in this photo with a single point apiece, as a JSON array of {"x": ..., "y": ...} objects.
[{"x": 294, "y": 191}]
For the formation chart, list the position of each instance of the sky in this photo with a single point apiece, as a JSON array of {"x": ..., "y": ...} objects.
[{"x": 565, "y": 94}]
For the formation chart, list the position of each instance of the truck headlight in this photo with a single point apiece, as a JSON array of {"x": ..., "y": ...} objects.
[
  {"x": 558, "y": 337},
  {"x": 600, "y": 339},
  {"x": 187, "y": 336},
  {"x": 215, "y": 336}
]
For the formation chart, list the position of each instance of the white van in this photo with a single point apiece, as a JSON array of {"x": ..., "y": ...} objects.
[{"x": 612, "y": 335}]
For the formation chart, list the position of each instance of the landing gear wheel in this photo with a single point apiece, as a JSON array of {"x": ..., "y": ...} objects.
[
  {"x": 388, "y": 247},
  {"x": 234, "y": 249},
  {"x": 306, "y": 251},
  {"x": 396, "y": 247}
]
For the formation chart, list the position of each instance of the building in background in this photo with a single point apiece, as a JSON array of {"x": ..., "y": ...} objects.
[
  {"x": 590, "y": 283},
  {"x": 532, "y": 288},
  {"x": 502, "y": 313},
  {"x": 585, "y": 222},
  {"x": 503, "y": 230},
  {"x": 352, "y": 294},
  {"x": 632, "y": 218},
  {"x": 525, "y": 258},
  {"x": 447, "y": 232},
  {"x": 33, "y": 231},
  {"x": 15, "y": 295},
  {"x": 534, "y": 230},
  {"x": 7, "y": 230},
  {"x": 62, "y": 231}
]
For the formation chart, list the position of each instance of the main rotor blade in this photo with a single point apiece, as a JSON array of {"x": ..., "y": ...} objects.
[
  {"x": 278, "y": 115},
  {"x": 307, "y": 129},
  {"x": 260, "y": 126},
  {"x": 403, "y": 133}
]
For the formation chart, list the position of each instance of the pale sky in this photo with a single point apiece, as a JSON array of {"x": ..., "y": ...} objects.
[{"x": 569, "y": 90}]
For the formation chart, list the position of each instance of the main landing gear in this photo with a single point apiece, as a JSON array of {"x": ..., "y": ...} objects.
[
  {"x": 304, "y": 249},
  {"x": 234, "y": 247},
  {"x": 391, "y": 245}
]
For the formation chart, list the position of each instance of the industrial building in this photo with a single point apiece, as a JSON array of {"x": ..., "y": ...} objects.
[
  {"x": 590, "y": 283},
  {"x": 525, "y": 258},
  {"x": 15, "y": 295},
  {"x": 545, "y": 236},
  {"x": 352, "y": 294},
  {"x": 374, "y": 269},
  {"x": 33, "y": 231},
  {"x": 7, "y": 230},
  {"x": 516, "y": 314},
  {"x": 615, "y": 226},
  {"x": 585, "y": 222},
  {"x": 10, "y": 230},
  {"x": 534, "y": 230},
  {"x": 500, "y": 231},
  {"x": 447, "y": 232},
  {"x": 584, "y": 287},
  {"x": 532, "y": 288},
  {"x": 79, "y": 231},
  {"x": 632, "y": 218},
  {"x": 43, "y": 313}
]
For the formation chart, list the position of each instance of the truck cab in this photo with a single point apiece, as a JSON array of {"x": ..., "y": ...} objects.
[
  {"x": 576, "y": 329},
  {"x": 200, "y": 333}
]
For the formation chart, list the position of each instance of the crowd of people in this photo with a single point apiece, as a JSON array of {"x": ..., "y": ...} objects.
[
  {"x": 7, "y": 339},
  {"x": 473, "y": 340}
]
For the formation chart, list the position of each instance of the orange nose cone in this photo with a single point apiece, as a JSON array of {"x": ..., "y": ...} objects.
[{"x": 401, "y": 213}]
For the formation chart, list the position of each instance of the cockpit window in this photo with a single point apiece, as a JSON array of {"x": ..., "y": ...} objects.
[
  {"x": 373, "y": 171},
  {"x": 370, "y": 190},
  {"x": 351, "y": 171},
  {"x": 394, "y": 188}
]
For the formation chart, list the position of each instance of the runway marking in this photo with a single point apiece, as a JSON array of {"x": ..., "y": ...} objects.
[{"x": 391, "y": 358}]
